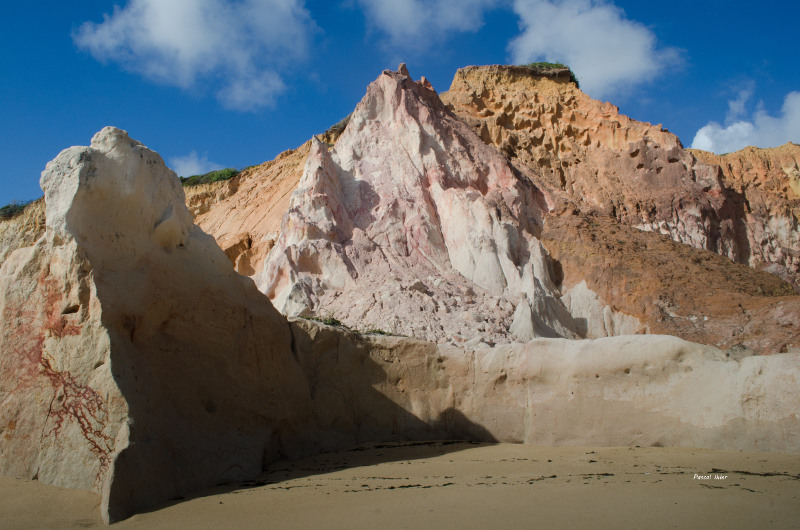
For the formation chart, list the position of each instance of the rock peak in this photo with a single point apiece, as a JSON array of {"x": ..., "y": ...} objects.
[
  {"x": 412, "y": 207},
  {"x": 109, "y": 138}
]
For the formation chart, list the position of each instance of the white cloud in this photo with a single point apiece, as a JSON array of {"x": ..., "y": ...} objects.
[
  {"x": 761, "y": 130},
  {"x": 192, "y": 164},
  {"x": 736, "y": 106},
  {"x": 415, "y": 24},
  {"x": 236, "y": 47},
  {"x": 608, "y": 52}
]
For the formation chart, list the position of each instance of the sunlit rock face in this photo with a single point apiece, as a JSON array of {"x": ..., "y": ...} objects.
[
  {"x": 244, "y": 213},
  {"x": 634, "y": 172},
  {"x": 411, "y": 224}
]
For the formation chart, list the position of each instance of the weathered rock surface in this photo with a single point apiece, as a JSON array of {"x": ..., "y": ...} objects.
[
  {"x": 107, "y": 383},
  {"x": 634, "y": 172},
  {"x": 671, "y": 288},
  {"x": 767, "y": 183},
  {"x": 411, "y": 224},
  {"x": 244, "y": 213},
  {"x": 22, "y": 230},
  {"x": 136, "y": 362}
]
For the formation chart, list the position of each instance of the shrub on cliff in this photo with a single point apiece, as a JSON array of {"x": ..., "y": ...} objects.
[
  {"x": 546, "y": 67},
  {"x": 13, "y": 209},
  {"x": 212, "y": 176}
]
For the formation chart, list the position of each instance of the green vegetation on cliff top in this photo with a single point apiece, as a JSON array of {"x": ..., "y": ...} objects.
[
  {"x": 12, "y": 210},
  {"x": 545, "y": 66},
  {"x": 212, "y": 176}
]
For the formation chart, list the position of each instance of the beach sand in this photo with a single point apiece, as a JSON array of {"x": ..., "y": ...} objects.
[{"x": 463, "y": 485}]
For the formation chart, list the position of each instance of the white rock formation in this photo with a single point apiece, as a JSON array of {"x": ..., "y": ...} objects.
[
  {"x": 413, "y": 225},
  {"x": 135, "y": 361},
  {"x": 646, "y": 390},
  {"x": 595, "y": 318}
]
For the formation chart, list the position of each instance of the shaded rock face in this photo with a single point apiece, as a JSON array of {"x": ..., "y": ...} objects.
[
  {"x": 592, "y": 158},
  {"x": 646, "y": 390},
  {"x": 134, "y": 361},
  {"x": 767, "y": 182},
  {"x": 413, "y": 225},
  {"x": 107, "y": 384}
]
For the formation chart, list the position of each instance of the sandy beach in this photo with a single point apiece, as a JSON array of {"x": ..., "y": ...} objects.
[{"x": 464, "y": 485}]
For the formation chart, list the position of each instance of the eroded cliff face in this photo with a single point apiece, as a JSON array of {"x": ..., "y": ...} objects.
[
  {"x": 593, "y": 158},
  {"x": 376, "y": 244},
  {"x": 411, "y": 224},
  {"x": 244, "y": 214},
  {"x": 107, "y": 384},
  {"x": 22, "y": 230},
  {"x": 675, "y": 289},
  {"x": 136, "y": 362},
  {"x": 767, "y": 184}
]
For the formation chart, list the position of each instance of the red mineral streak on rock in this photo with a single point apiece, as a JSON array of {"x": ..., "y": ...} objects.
[{"x": 80, "y": 404}]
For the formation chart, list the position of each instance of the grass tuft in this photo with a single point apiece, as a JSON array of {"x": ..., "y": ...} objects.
[
  {"x": 376, "y": 332},
  {"x": 13, "y": 209},
  {"x": 546, "y": 67},
  {"x": 328, "y": 321},
  {"x": 212, "y": 176}
]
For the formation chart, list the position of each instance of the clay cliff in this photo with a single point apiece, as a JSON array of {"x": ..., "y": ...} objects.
[
  {"x": 605, "y": 189},
  {"x": 767, "y": 181},
  {"x": 135, "y": 361},
  {"x": 589, "y": 165},
  {"x": 412, "y": 225},
  {"x": 144, "y": 359},
  {"x": 597, "y": 160}
]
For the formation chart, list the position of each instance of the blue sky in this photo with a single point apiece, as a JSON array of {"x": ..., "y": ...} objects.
[{"x": 216, "y": 83}]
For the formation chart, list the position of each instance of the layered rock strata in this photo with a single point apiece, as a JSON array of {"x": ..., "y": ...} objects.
[
  {"x": 767, "y": 182},
  {"x": 674, "y": 289},
  {"x": 134, "y": 361},
  {"x": 244, "y": 214},
  {"x": 634, "y": 172},
  {"x": 411, "y": 224}
]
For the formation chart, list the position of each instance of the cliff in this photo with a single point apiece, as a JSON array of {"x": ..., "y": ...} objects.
[
  {"x": 767, "y": 183},
  {"x": 244, "y": 213},
  {"x": 136, "y": 362},
  {"x": 411, "y": 224},
  {"x": 586, "y": 186},
  {"x": 594, "y": 159}
]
